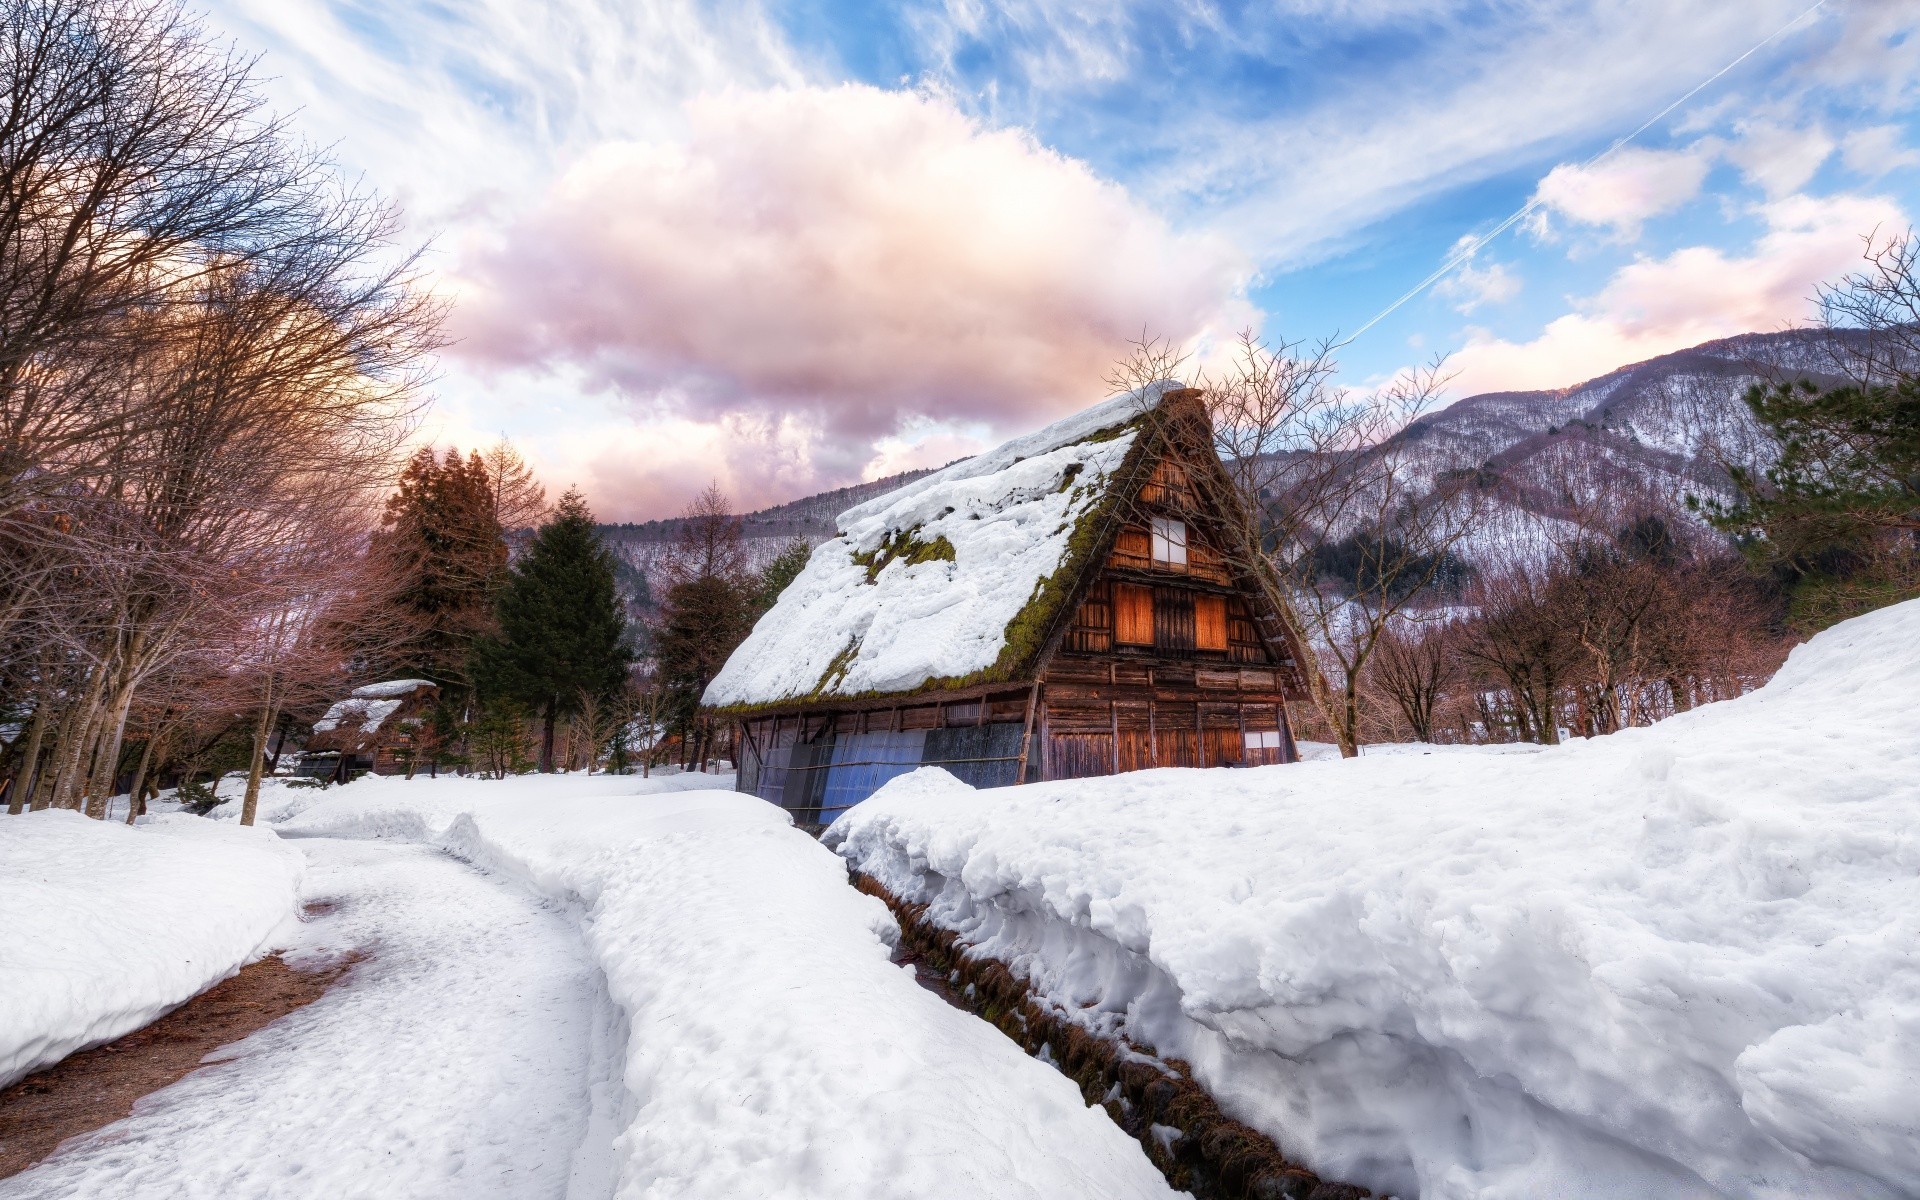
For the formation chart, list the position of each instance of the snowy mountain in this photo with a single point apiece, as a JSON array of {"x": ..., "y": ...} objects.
[
  {"x": 1663, "y": 428},
  {"x": 1660, "y": 428}
]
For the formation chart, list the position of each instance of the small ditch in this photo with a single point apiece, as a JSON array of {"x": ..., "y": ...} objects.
[
  {"x": 1197, "y": 1147},
  {"x": 90, "y": 1090}
]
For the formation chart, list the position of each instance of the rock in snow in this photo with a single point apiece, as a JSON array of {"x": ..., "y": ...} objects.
[
  {"x": 104, "y": 927},
  {"x": 1681, "y": 961}
]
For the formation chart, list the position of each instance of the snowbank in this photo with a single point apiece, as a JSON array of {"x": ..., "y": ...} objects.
[
  {"x": 104, "y": 927},
  {"x": 771, "y": 1048},
  {"x": 1681, "y": 961}
]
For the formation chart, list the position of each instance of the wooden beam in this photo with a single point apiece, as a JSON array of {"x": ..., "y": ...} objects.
[{"x": 1026, "y": 732}]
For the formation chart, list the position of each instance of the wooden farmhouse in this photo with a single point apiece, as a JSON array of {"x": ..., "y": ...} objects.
[
  {"x": 373, "y": 729},
  {"x": 1056, "y": 608}
]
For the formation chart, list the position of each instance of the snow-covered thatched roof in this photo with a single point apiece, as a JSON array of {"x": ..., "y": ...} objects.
[
  {"x": 352, "y": 723},
  {"x": 952, "y": 579}
]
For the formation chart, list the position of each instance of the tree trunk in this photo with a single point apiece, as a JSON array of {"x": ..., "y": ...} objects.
[
  {"x": 136, "y": 802},
  {"x": 107, "y": 769},
  {"x": 251, "y": 804},
  {"x": 547, "y": 720},
  {"x": 279, "y": 741},
  {"x": 29, "y": 773},
  {"x": 75, "y": 738}
]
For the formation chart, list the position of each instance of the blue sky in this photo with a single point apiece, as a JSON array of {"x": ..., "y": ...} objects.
[{"x": 786, "y": 246}]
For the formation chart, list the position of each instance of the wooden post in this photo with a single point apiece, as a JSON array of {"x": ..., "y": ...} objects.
[
  {"x": 1047, "y": 745},
  {"x": 1199, "y": 732},
  {"x": 1026, "y": 733},
  {"x": 1153, "y": 735}
]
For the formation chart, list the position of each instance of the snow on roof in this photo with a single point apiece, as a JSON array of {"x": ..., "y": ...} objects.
[
  {"x": 921, "y": 584},
  {"x": 366, "y": 715},
  {"x": 391, "y": 688}
]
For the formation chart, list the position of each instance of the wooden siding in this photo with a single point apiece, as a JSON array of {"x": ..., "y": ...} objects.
[
  {"x": 1105, "y": 715},
  {"x": 1172, "y": 620}
]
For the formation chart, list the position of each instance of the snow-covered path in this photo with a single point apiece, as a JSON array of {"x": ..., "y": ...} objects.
[{"x": 457, "y": 1061}]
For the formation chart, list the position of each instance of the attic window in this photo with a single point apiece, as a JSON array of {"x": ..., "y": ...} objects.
[{"x": 1169, "y": 542}]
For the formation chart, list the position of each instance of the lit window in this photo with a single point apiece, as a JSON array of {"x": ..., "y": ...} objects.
[
  {"x": 1170, "y": 541},
  {"x": 1263, "y": 741}
]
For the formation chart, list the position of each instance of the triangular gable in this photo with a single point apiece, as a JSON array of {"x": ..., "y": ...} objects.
[{"x": 1179, "y": 428}]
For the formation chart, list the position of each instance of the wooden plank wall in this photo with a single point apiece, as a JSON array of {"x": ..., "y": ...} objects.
[{"x": 1107, "y": 715}]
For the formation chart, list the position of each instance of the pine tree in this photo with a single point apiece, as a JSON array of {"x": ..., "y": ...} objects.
[
  {"x": 777, "y": 574},
  {"x": 1837, "y": 516},
  {"x": 443, "y": 539},
  {"x": 561, "y": 629}
]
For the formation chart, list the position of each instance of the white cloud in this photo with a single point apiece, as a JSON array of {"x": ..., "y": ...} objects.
[
  {"x": 1876, "y": 150},
  {"x": 1657, "y": 305},
  {"x": 1626, "y": 188},
  {"x": 1779, "y": 159},
  {"x": 1482, "y": 99},
  {"x": 849, "y": 256},
  {"x": 1471, "y": 285},
  {"x": 456, "y": 110}
]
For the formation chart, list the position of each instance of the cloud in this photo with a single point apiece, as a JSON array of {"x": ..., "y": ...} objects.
[
  {"x": 1475, "y": 100},
  {"x": 1876, "y": 150},
  {"x": 1657, "y": 305},
  {"x": 856, "y": 256},
  {"x": 1779, "y": 159},
  {"x": 457, "y": 110},
  {"x": 1625, "y": 189},
  {"x": 1470, "y": 286}
]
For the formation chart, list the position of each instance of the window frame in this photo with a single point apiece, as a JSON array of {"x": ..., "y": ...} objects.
[{"x": 1170, "y": 537}]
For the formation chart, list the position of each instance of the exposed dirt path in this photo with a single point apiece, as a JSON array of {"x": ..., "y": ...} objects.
[
  {"x": 93, "y": 1089},
  {"x": 457, "y": 1062}
]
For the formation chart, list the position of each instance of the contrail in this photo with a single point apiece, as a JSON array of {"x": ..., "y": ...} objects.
[{"x": 1464, "y": 252}]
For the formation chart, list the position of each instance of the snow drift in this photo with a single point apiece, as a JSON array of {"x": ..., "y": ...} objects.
[
  {"x": 771, "y": 1048},
  {"x": 1681, "y": 961},
  {"x": 104, "y": 927}
]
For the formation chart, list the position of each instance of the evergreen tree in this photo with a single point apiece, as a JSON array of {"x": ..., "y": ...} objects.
[
  {"x": 442, "y": 539},
  {"x": 702, "y": 621},
  {"x": 776, "y": 575},
  {"x": 1837, "y": 516},
  {"x": 561, "y": 630}
]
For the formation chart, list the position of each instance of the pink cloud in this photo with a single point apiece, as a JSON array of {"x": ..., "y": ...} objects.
[
  {"x": 1626, "y": 188},
  {"x": 1657, "y": 305},
  {"x": 848, "y": 257}
]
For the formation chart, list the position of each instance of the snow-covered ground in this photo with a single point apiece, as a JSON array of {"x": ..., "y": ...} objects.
[
  {"x": 104, "y": 927},
  {"x": 582, "y": 986},
  {"x": 769, "y": 1048},
  {"x": 1681, "y": 961},
  {"x": 456, "y": 1061}
]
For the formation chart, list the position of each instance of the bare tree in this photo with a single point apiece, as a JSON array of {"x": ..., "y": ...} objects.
[
  {"x": 134, "y": 155},
  {"x": 1344, "y": 527},
  {"x": 207, "y": 349},
  {"x": 1874, "y": 312},
  {"x": 1417, "y": 667}
]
